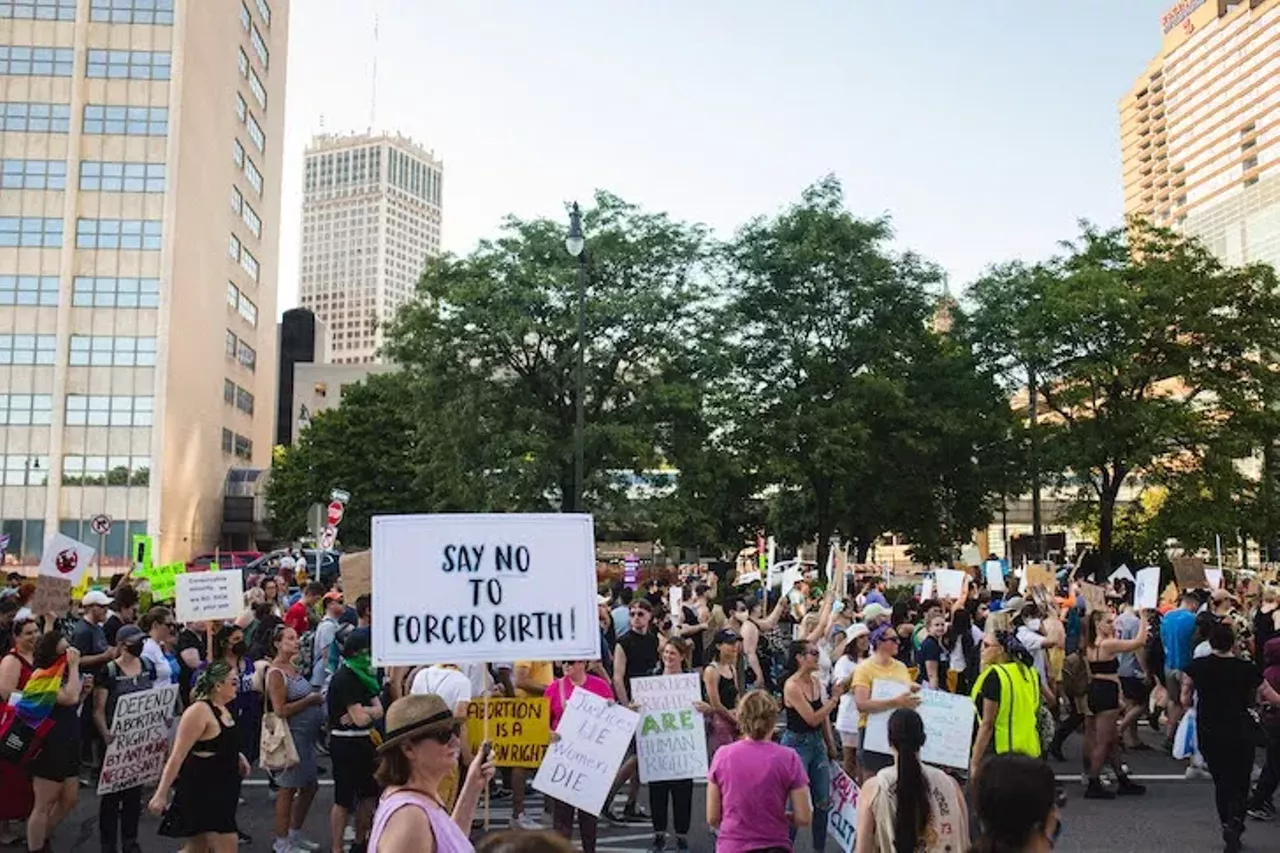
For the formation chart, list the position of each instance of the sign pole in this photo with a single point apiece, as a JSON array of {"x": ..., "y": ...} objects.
[
  {"x": 483, "y": 741},
  {"x": 102, "y": 546}
]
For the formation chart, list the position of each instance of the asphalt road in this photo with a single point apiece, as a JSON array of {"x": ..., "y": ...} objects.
[{"x": 1175, "y": 815}]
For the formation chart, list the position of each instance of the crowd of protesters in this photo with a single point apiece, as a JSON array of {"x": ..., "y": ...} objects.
[{"x": 787, "y": 694}]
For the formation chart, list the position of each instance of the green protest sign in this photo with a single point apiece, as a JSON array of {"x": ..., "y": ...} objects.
[
  {"x": 164, "y": 579},
  {"x": 142, "y": 554}
]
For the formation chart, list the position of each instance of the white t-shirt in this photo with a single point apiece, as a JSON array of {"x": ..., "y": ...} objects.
[
  {"x": 151, "y": 651},
  {"x": 1034, "y": 641},
  {"x": 451, "y": 685},
  {"x": 847, "y": 715}
]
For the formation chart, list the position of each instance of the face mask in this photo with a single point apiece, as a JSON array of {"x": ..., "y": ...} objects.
[
  {"x": 134, "y": 649},
  {"x": 238, "y": 649}
]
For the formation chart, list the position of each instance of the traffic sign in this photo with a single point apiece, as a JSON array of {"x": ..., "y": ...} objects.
[
  {"x": 100, "y": 524},
  {"x": 334, "y": 515},
  {"x": 327, "y": 537},
  {"x": 340, "y": 496}
]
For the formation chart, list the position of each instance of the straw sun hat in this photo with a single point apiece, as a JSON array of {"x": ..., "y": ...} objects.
[{"x": 412, "y": 717}]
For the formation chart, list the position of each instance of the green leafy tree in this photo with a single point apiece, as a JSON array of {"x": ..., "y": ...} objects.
[{"x": 1142, "y": 345}]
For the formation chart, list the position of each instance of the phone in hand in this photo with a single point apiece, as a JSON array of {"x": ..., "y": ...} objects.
[{"x": 485, "y": 749}]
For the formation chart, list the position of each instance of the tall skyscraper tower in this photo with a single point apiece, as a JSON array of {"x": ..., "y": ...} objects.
[
  {"x": 1200, "y": 130},
  {"x": 139, "y": 218},
  {"x": 371, "y": 207}
]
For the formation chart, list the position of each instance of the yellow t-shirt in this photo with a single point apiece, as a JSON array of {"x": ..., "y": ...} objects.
[
  {"x": 869, "y": 670},
  {"x": 540, "y": 671}
]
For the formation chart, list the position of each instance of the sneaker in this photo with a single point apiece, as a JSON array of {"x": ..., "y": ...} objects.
[
  {"x": 682, "y": 844},
  {"x": 524, "y": 821},
  {"x": 659, "y": 843},
  {"x": 301, "y": 842},
  {"x": 1129, "y": 788},
  {"x": 1196, "y": 773},
  {"x": 1262, "y": 812},
  {"x": 635, "y": 814},
  {"x": 1231, "y": 838},
  {"x": 612, "y": 817},
  {"x": 1095, "y": 791}
]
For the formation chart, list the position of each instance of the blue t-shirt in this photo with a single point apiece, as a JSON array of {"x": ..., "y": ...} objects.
[{"x": 1176, "y": 630}]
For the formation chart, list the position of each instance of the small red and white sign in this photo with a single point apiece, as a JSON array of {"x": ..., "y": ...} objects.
[
  {"x": 328, "y": 536},
  {"x": 66, "y": 558},
  {"x": 335, "y": 513}
]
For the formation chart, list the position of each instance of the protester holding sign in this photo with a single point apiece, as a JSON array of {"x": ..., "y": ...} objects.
[
  {"x": 752, "y": 782},
  {"x": 1102, "y": 650},
  {"x": 883, "y": 664},
  {"x": 911, "y": 806},
  {"x": 558, "y": 693},
  {"x": 205, "y": 767},
  {"x": 53, "y": 692},
  {"x": 808, "y": 729},
  {"x": 119, "y": 810},
  {"x": 422, "y": 745}
]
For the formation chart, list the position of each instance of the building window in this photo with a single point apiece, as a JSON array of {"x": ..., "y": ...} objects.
[
  {"x": 30, "y": 231},
  {"x": 248, "y": 310},
  {"x": 18, "y": 117},
  {"x": 233, "y": 295},
  {"x": 233, "y": 248},
  {"x": 241, "y": 108},
  {"x": 246, "y": 355},
  {"x": 36, "y": 61},
  {"x": 259, "y": 91},
  {"x": 106, "y": 471},
  {"x": 28, "y": 349},
  {"x": 228, "y": 392},
  {"x": 252, "y": 221},
  {"x": 244, "y": 400},
  {"x": 127, "y": 121},
  {"x": 89, "y": 292},
  {"x": 108, "y": 351},
  {"x": 265, "y": 11},
  {"x": 1249, "y": 163},
  {"x": 39, "y": 10},
  {"x": 129, "y": 64},
  {"x": 244, "y": 17},
  {"x": 95, "y": 410},
  {"x": 25, "y": 409},
  {"x": 237, "y": 200},
  {"x": 228, "y": 440},
  {"x": 118, "y": 234},
  {"x": 244, "y": 62},
  {"x": 33, "y": 174},
  {"x": 132, "y": 11},
  {"x": 237, "y": 152},
  {"x": 122, "y": 177},
  {"x": 255, "y": 131},
  {"x": 260, "y": 46},
  {"x": 249, "y": 264},
  {"x": 232, "y": 341},
  {"x": 244, "y": 447},
  {"x": 251, "y": 172},
  {"x": 28, "y": 290},
  {"x": 20, "y": 470}
]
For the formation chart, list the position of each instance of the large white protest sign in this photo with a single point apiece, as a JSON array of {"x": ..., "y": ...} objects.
[
  {"x": 948, "y": 724},
  {"x": 1214, "y": 577},
  {"x": 65, "y": 558},
  {"x": 203, "y": 596},
  {"x": 463, "y": 588},
  {"x": 926, "y": 589},
  {"x": 842, "y": 820},
  {"x": 139, "y": 739},
  {"x": 672, "y": 741},
  {"x": 1122, "y": 573},
  {"x": 1146, "y": 589},
  {"x": 579, "y": 768},
  {"x": 994, "y": 574},
  {"x": 950, "y": 582}
]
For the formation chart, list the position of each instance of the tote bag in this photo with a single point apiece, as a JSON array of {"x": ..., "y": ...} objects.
[{"x": 277, "y": 750}]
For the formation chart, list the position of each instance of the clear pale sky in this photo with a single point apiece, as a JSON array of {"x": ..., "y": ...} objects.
[{"x": 986, "y": 129}]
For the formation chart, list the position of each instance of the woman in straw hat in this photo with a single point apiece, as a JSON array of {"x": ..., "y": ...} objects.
[{"x": 421, "y": 746}]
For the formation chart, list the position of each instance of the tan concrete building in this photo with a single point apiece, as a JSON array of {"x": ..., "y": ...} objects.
[
  {"x": 318, "y": 387},
  {"x": 141, "y": 144},
  {"x": 371, "y": 211},
  {"x": 1200, "y": 130}
]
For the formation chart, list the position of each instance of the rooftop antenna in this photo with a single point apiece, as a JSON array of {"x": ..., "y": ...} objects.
[{"x": 373, "y": 98}]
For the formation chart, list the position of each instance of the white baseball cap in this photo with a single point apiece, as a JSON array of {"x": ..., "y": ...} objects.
[{"x": 96, "y": 596}]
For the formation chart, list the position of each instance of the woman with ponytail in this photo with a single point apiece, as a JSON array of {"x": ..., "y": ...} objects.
[
  {"x": 911, "y": 807},
  {"x": 1017, "y": 806}
]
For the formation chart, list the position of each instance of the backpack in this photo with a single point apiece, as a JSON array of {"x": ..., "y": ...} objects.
[
  {"x": 1075, "y": 675},
  {"x": 307, "y": 653},
  {"x": 333, "y": 656}
]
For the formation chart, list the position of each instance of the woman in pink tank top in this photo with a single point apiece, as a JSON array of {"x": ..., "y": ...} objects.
[{"x": 421, "y": 747}]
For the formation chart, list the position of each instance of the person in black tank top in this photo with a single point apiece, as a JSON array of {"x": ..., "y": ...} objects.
[
  {"x": 720, "y": 687},
  {"x": 207, "y": 770},
  {"x": 808, "y": 729},
  {"x": 635, "y": 656}
]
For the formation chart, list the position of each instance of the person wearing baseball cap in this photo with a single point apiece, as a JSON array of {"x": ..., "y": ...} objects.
[
  {"x": 883, "y": 665},
  {"x": 322, "y": 664},
  {"x": 118, "y": 812},
  {"x": 422, "y": 745},
  {"x": 90, "y": 639},
  {"x": 875, "y": 615},
  {"x": 721, "y": 684}
]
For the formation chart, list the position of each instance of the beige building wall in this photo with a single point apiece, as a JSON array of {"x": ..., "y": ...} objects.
[
  {"x": 371, "y": 218},
  {"x": 123, "y": 407},
  {"x": 318, "y": 387}
]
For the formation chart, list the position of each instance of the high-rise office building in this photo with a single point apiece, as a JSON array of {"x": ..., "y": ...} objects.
[
  {"x": 1200, "y": 130},
  {"x": 141, "y": 147},
  {"x": 370, "y": 220}
]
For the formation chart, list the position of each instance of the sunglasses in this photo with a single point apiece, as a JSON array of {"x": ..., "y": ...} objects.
[
  {"x": 443, "y": 736},
  {"x": 639, "y": 612}
]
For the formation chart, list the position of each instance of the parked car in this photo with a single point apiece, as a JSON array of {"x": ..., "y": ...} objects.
[
  {"x": 224, "y": 559},
  {"x": 269, "y": 564}
]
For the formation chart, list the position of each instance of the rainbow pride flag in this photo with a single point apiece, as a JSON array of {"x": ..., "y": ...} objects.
[{"x": 40, "y": 694}]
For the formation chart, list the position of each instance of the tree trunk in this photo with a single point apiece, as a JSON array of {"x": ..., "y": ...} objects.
[
  {"x": 1106, "y": 526},
  {"x": 862, "y": 549}
]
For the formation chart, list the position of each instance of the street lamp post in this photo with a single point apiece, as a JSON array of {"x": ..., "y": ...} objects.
[{"x": 576, "y": 244}]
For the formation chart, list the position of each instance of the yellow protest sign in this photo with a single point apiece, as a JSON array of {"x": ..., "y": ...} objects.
[
  {"x": 519, "y": 729},
  {"x": 80, "y": 590},
  {"x": 164, "y": 580},
  {"x": 1041, "y": 574}
]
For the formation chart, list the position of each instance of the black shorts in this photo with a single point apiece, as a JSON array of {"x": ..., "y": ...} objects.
[
  {"x": 1135, "y": 689},
  {"x": 57, "y": 760},
  {"x": 1104, "y": 695},
  {"x": 353, "y": 763}
]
